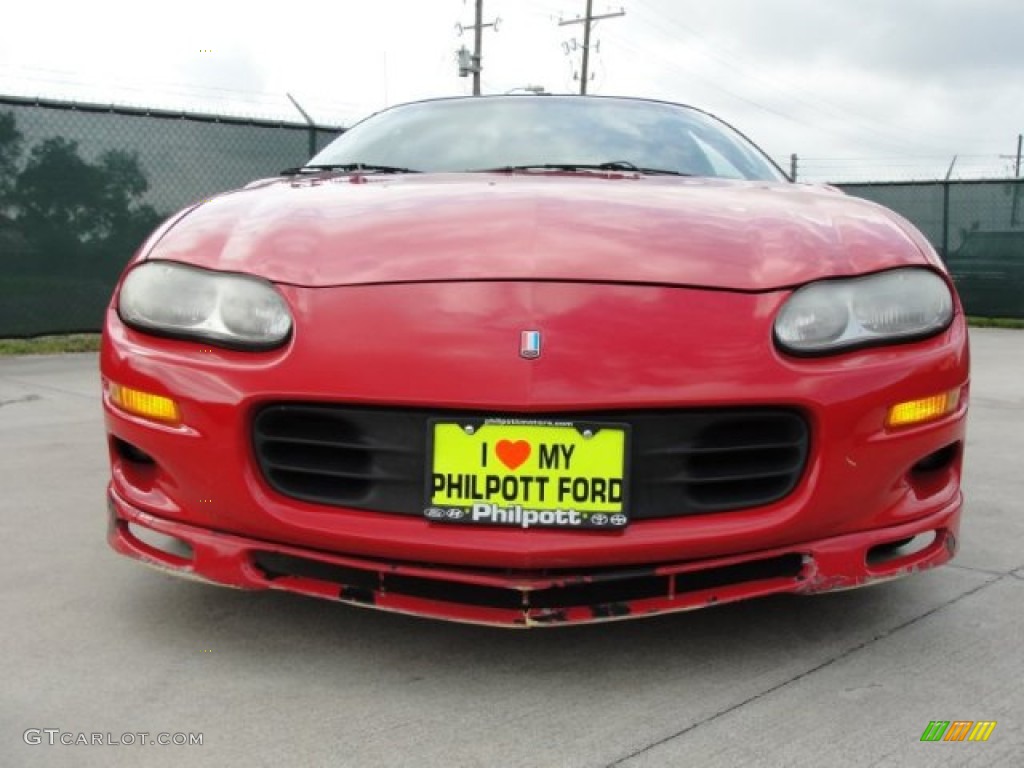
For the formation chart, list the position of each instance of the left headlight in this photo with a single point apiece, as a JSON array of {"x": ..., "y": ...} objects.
[
  {"x": 835, "y": 315},
  {"x": 225, "y": 309}
]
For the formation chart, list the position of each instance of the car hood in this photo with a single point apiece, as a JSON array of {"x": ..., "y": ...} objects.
[{"x": 625, "y": 228}]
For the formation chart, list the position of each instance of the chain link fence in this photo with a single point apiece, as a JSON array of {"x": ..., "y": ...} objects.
[
  {"x": 82, "y": 185},
  {"x": 978, "y": 229}
]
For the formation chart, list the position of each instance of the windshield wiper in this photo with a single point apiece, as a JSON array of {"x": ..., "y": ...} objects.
[
  {"x": 346, "y": 168},
  {"x": 614, "y": 165}
]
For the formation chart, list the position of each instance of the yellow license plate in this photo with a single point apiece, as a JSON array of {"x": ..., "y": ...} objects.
[{"x": 528, "y": 474}]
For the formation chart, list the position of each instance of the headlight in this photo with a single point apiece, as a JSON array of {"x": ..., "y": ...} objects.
[
  {"x": 835, "y": 315},
  {"x": 226, "y": 309}
]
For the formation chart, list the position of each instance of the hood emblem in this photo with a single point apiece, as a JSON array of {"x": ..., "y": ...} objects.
[{"x": 529, "y": 345}]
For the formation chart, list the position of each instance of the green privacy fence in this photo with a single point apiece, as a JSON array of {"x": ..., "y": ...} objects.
[
  {"x": 976, "y": 226},
  {"x": 81, "y": 185}
]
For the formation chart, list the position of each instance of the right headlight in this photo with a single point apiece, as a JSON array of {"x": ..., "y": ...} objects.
[
  {"x": 836, "y": 315},
  {"x": 230, "y": 310}
]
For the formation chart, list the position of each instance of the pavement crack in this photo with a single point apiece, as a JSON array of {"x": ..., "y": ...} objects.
[
  {"x": 25, "y": 399},
  {"x": 51, "y": 388},
  {"x": 806, "y": 673},
  {"x": 973, "y": 569}
]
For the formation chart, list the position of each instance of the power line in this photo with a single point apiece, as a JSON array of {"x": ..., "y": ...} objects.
[
  {"x": 843, "y": 129},
  {"x": 732, "y": 60}
]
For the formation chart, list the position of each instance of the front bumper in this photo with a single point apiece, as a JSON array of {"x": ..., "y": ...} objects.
[
  {"x": 863, "y": 485},
  {"x": 524, "y": 598}
]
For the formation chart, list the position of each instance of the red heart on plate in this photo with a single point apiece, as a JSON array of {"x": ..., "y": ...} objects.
[{"x": 512, "y": 455}]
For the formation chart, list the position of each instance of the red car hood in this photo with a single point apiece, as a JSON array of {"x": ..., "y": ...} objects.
[{"x": 352, "y": 230}]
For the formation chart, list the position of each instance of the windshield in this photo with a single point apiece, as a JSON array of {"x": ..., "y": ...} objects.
[{"x": 488, "y": 133}]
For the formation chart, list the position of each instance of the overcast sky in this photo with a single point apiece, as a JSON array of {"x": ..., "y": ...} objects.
[{"x": 856, "y": 88}]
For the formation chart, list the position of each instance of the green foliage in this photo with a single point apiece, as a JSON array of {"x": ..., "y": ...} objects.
[
  {"x": 66, "y": 214},
  {"x": 10, "y": 151},
  {"x": 51, "y": 345},
  {"x": 55, "y": 194},
  {"x": 996, "y": 322}
]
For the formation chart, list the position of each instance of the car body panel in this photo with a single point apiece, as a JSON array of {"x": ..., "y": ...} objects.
[
  {"x": 343, "y": 229},
  {"x": 533, "y": 598},
  {"x": 474, "y": 365}
]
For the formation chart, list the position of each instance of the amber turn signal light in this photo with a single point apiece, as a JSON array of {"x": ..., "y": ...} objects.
[
  {"x": 923, "y": 410},
  {"x": 144, "y": 404}
]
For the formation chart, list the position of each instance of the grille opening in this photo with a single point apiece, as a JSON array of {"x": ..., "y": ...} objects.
[
  {"x": 365, "y": 458},
  {"x": 307, "y": 425},
  {"x": 731, "y": 431},
  {"x": 682, "y": 461},
  {"x": 730, "y": 465},
  {"x": 784, "y": 566},
  {"x": 317, "y": 487},
  {"x": 899, "y": 548},
  {"x": 937, "y": 461},
  {"x": 613, "y": 587},
  {"x": 319, "y": 458},
  {"x": 129, "y": 452},
  {"x": 178, "y": 549},
  {"x": 716, "y": 497}
]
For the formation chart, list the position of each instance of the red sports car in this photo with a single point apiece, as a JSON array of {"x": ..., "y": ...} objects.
[{"x": 534, "y": 360}]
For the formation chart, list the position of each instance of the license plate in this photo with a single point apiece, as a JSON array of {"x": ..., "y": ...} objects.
[{"x": 528, "y": 474}]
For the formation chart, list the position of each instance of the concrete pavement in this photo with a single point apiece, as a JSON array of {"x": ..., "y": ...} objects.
[{"x": 93, "y": 643}]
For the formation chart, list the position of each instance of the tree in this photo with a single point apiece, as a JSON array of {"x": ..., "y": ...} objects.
[
  {"x": 82, "y": 215},
  {"x": 68, "y": 225},
  {"x": 10, "y": 151},
  {"x": 57, "y": 192}
]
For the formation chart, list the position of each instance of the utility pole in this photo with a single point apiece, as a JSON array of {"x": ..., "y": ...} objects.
[
  {"x": 587, "y": 22},
  {"x": 473, "y": 63},
  {"x": 478, "y": 46}
]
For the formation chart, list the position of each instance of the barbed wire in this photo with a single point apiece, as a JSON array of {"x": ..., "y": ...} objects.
[
  {"x": 906, "y": 168},
  {"x": 35, "y": 82}
]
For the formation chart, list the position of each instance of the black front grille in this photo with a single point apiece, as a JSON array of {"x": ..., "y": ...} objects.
[{"x": 683, "y": 462}]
